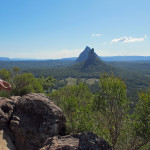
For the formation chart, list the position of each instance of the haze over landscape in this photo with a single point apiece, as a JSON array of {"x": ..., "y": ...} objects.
[{"x": 60, "y": 29}]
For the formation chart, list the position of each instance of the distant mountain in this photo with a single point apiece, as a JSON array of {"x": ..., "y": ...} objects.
[
  {"x": 71, "y": 58},
  {"x": 84, "y": 55},
  {"x": 91, "y": 65},
  {"x": 25, "y": 59},
  {"x": 126, "y": 58},
  {"x": 92, "y": 59},
  {"x": 4, "y": 59},
  {"x": 88, "y": 68},
  {"x": 19, "y": 59}
]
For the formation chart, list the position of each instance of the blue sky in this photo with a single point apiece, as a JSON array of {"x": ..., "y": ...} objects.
[{"x": 63, "y": 28}]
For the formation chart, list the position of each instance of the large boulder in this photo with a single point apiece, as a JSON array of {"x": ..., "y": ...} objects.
[{"x": 34, "y": 120}]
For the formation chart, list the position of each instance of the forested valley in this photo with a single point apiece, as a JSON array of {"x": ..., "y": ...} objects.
[{"x": 110, "y": 99}]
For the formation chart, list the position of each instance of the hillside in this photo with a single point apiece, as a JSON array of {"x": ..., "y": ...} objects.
[
  {"x": 91, "y": 67},
  {"x": 126, "y": 58},
  {"x": 92, "y": 59}
]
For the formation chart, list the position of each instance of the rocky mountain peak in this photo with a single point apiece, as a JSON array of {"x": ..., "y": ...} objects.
[
  {"x": 91, "y": 55},
  {"x": 84, "y": 55},
  {"x": 92, "y": 59}
]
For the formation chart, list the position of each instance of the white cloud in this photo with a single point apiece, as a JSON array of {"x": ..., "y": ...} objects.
[
  {"x": 128, "y": 39},
  {"x": 96, "y": 35}
]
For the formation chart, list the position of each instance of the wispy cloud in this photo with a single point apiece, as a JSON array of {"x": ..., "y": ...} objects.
[
  {"x": 96, "y": 35},
  {"x": 128, "y": 39}
]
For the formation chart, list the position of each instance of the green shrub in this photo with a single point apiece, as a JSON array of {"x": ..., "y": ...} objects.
[
  {"x": 75, "y": 101},
  {"x": 26, "y": 83}
]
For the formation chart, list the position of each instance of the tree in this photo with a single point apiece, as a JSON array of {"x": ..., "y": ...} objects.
[
  {"x": 5, "y": 75},
  {"x": 15, "y": 70},
  {"x": 141, "y": 121},
  {"x": 26, "y": 83},
  {"x": 111, "y": 106},
  {"x": 47, "y": 82},
  {"x": 75, "y": 101}
]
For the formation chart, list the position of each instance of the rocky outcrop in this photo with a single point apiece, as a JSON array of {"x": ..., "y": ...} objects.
[
  {"x": 33, "y": 122},
  {"x": 6, "y": 110},
  {"x": 84, "y": 141},
  {"x": 92, "y": 142},
  {"x": 35, "y": 119},
  {"x": 68, "y": 142},
  {"x": 6, "y": 140},
  {"x": 31, "y": 119}
]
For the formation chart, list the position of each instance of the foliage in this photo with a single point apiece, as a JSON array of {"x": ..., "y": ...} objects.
[
  {"x": 4, "y": 94},
  {"x": 26, "y": 83},
  {"x": 106, "y": 113},
  {"x": 15, "y": 70},
  {"x": 47, "y": 82},
  {"x": 136, "y": 74},
  {"x": 142, "y": 115},
  {"x": 112, "y": 105},
  {"x": 59, "y": 84},
  {"x": 5, "y": 75},
  {"x": 141, "y": 121},
  {"x": 75, "y": 101}
]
